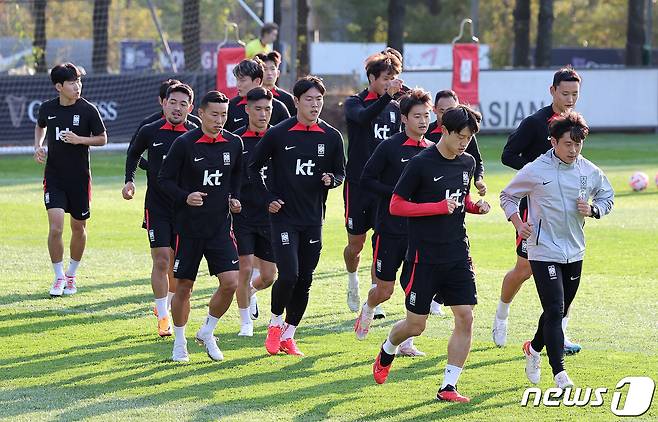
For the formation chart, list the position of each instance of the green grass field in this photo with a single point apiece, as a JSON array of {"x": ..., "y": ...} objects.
[{"x": 96, "y": 355}]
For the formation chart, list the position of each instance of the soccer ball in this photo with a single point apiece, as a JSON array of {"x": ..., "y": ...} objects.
[{"x": 639, "y": 181}]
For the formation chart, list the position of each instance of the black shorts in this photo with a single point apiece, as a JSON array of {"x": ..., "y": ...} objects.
[
  {"x": 360, "y": 209},
  {"x": 73, "y": 198},
  {"x": 254, "y": 240},
  {"x": 296, "y": 249},
  {"x": 521, "y": 243},
  {"x": 455, "y": 282},
  {"x": 160, "y": 230},
  {"x": 220, "y": 251},
  {"x": 388, "y": 254}
]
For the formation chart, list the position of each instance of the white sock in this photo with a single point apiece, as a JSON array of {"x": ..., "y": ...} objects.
[
  {"x": 353, "y": 279},
  {"x": 373, "y": 285},
  {"x": 276, "y": 320},
  {"x": 368, "y": 312},
  {"x": 170, "y": 297},
  {"x": 407, "y": 343},
  {"x": 390, "y": 348},
  {"x": 254, "y": 275},
  {"x": 58, "y": 267},
  {"x": 503, "y": 309},
  {"x": 73, "y": 267},
  {"x": 179, "y": 335},
  {"x": 161, "y": 307},
  {"x": 565, "y": 322},
  {"x": 251, "y": 285},
  {"x": 289, "y": 332},
  {"x": 245, "y": 319},
  {"x": 451, "y": 375},
  {"x": 208, "y": 327},
  {"x": 533, "y": 351}
]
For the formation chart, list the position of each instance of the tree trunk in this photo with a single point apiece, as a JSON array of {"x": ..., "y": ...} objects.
[
  {"x": 544, "y": 34},
  {"x": 635, "y": 33},
  {"x": 39, "y": 43},
  {"x": 191, "y": 28},
  {"x": 521, "y": 57},
  {"x": 100, "y": 24},
  {"x": 396, "y": 12},
  {"x": 303, "y": 59}
]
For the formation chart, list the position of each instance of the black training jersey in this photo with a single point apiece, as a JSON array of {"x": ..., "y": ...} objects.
[
  {"x": 430, "y": 177},
  {"x": 199, "y": 163},
  {"x": 381, "y": 174},
  {"x": 370, "y": 120},
  {"x": 156, "y": 138},
  {"x": 434, "y": 134},
  {"x": 300, "y": 156},
  {"x": 238, "y": 117},
  {"x": 67, "y": 161},
  {"x": 254, "y": 203},
  {"x": 286, "y": 98},
  {"x": 529, "y": 140}
]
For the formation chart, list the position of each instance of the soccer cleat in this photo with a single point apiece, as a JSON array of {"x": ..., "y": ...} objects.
[
  {"x": 58, "y": 287},
  {"x": 164, "y": 328},
  {"x": 69, "y": 288},
  {"x": 562, "y": 380},
  {"x": 180, "y": 353},
  {"x": 532, "y": 364},
  {"x": 253, "y": 307},
  {"x": 273, "y": 340},
  {"x": 362, "y": 326},
  {"x": 246, "y": 330},
  {"x": 210, "y": 343},
  {"x": 450, "y": 393},
  {"x": 353, "y": 299},
  {"x": 499, "y": 331},
  {"x": 409, "y": 350},
  {"x": 435, "y": 309},
  {"x": 289, "y": 346},
  {"x": 571, "y": 348},
  {"x": 379, "y": 312},
  {"x": 379, "y": 372}
]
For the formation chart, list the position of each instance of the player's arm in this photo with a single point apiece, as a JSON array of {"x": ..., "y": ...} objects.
[
  {"x": 135, "y": 151},
  {"x": 400, "y": 204},
  {"x": 603, "y": 198},
  {"x": 474, "y": 149},
  {"x": 370, "y": 178},
  {"x": 39, "y": 149},
  {"x": 517, "y": 143},
  {"x": 169, "y": 172},
  {"x": 281, "y": 112},
  {"x": 335, "y": 178},
  {"x": 236, "y": 183},
  {"x": 98, "y": 136},
  {"x": 520, "y": 186},
  {"x": 262, "y": 152},
  {"x": 357, "y": 112},
  {"x": 143, "y": 162}
]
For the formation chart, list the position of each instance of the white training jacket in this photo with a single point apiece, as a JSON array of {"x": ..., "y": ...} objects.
[{"x": 552, "y": 188}]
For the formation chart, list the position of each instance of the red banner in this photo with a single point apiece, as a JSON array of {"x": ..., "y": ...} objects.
[
  {"x": 465, "y": 73},
  {"x": 227, "y": 59}
]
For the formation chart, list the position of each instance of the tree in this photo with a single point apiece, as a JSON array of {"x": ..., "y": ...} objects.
[
  {"x": 396, "y": 12},
  {"x": 544, "y": 34},
  {"x": 521, "y": 57},
  {"x": 191, "y": 35},
  {"x": 39, "y": 43},
  {"x": 100, "y": 22},
  {"x": 635, "y": 32},
  {"x": 303, "y": 59}
]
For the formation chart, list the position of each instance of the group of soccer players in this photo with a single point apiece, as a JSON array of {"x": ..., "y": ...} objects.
[{"x": 245, "y": 186}]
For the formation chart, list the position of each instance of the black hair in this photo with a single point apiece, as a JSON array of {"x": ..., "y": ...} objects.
[
  {"x": 446, "y": 93},
  {"x": 253, "y": 68},
  {"x": 65, "y": 72},
  {"x": 383, "y": 62},
  {"x": 571, "y": 122},
  {"x": 566, "y": 74},
  {"x": 306, "y": 83},
  {"x": 457, "y": 118},
  {"x": 164, "y": 86},
  {"x": 268, "y": 27},
  {"x": 259, "y": 93},
  {"x": 272, "y": 56},
  {"x": 414, "y": 97},
  {"x": 213, "y": 97},
  {"x": 181, "y": 87}
]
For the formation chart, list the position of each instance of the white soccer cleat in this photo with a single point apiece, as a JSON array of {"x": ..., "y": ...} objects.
[
  {"x": 379, "y": 312},
  {"x": 253, "y": 307},
  {"x": 532, "y": 364},
  {"x": 571, "y": 348},
  {"x": 58, "y": 287},
  {"x": 353, "y": 299},
  {"x": 409, "y": 349},
  {"x": 499, "y": 331},
  {"x": 210, "y": 343},
  {"x": 70, "y": 288},
  {"x": 246, "y": 330},
  {"x": 362, "y": 325},
  {"x": 435, "y": 309},
  {"x": 562, "y": 380},
  {"x": 180, "y": 353}
]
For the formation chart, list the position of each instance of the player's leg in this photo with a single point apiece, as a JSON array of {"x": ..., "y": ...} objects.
[
  {"x": 56, "y": 249},
  {"x": 245, "y": 238},
  {"x": 352, "y": 257},
  {"x": 571, "y": 278},
  {"x": 264, "y": 258},
  {"x": 79, "y": 197},
  {"x": 359, "y": 218},
  {"x": 161, "y": 257},
  {"x": 171, "y": 280}
]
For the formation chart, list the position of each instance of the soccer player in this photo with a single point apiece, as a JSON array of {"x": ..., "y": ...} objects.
[
  {"x": 249, "y": 75},
  {"x": 555, "y": 235},
  {"x": 252, "y": 224},
  {"x": 307, "y": 160},
  {"x": 202, "y": 174},
  {"x": 433, "y": 192},
  {"x": 271, "y": 62},
  {"x": 372, "y": 116},
  {"x": 268, "y": 34},
  {"x": 71, "y": 124},
  {"x": 524, "y": 145},
  {"x": 157, "y": 138},
  {"x": 380, "y": 175}
]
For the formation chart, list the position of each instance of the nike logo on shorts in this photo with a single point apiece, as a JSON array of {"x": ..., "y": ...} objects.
[
  {"x": 436, "y": 179},
  {"x": 235, "y": 262},
  {"x": 402, "y": 160},
  {"x": 288, "y": 148},
  {"x": 85, "y": 213},
  {"x": 313, "y": 241},
  {"x": 51, "y": 117},
  {"x": 158, "y": 144},
  {"x": 574, "y": 278},
  {"x": 198, "y": 159}
]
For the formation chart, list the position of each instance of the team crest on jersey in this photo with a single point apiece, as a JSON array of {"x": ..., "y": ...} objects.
[
  {"x": 227, "y": 158},
  {"x": 285, "y": 239},
  {"x": 552, "y": 273},
  {"x": 465, "y": 178},
  {"x": 47, "y": 198},
  {"x": 320, "y": 150},
  {"x": 76, "y": 120},
  {"x": 393, "y": 118}
]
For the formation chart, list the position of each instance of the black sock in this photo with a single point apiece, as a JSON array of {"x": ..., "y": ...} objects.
[{"x": 385, "y": 359}]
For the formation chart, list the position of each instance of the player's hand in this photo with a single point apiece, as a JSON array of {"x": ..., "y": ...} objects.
[
  {"x": 484, "y": 206},
  {"x": 481, "y": 187},
  {"x": 524, "y": 229},
  {"x": 71, "y": 138},
  {"x": 40, "y": 155},
  {"x": 234, "y": 205},
  {"x": 128, "y": 191},
  {"x": 452, "y": 204},
  {"x": 327, "y": 178},
  {"x": 195, "y": 199},
  {"x": 275, "y": 206},
  {"x": 584, "y": 208},
  {"x": 393, "y": 87}
]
